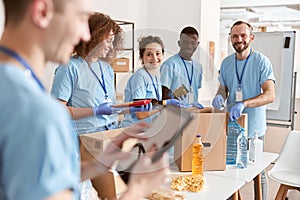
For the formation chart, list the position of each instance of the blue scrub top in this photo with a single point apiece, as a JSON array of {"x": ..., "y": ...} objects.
[
  {"x": 76, "y": 84},
  {"x": 38, "y": 144},
  {"x": 140, "y": 86},
  {"x": 256, "y": 72},
  {"x": 173, "y": 74}
]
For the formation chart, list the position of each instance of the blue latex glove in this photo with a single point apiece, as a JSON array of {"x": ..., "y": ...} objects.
[
  {"x": 144, "y": 108},
  {"x": 236, "y": 111},
  {"x": 197, "y": 105},
  {"x": 106, "y": 109},
  {"x": 218, "y": 101},
  {"x": 178, "y": 103}
]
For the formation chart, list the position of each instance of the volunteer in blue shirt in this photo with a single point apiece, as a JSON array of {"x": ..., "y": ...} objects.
[
  {"x": 145, "y": 82},
  {"x": 86, "y": 84},
  {"x": 37, "y": 140},
  {"x": 247, "y": 82},
  {"x": 181, "y": 69}
]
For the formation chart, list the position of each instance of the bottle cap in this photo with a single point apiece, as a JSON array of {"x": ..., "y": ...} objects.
[{"x": 198, "y": 136}]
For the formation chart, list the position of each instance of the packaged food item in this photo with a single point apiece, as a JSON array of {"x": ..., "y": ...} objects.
[{"x": 192, "y": 183}]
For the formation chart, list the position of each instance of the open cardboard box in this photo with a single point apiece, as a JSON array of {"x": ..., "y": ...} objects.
[
  {"x": 110, "y": 184},
  {"x": 212, "y": 125}
]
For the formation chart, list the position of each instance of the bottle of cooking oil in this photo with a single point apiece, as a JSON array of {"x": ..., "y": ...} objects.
[{"x": 198, "y": 160}]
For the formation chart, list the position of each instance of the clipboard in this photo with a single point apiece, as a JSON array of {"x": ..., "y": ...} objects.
[{"x": 163, "y": 132}]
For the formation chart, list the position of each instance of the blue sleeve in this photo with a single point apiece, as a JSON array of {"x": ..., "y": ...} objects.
[
  {"x": 138, "y": 87},
  {"x": 166, "y": 74},
  {"x": 63, "y": 82},
  {"x": 266, "y": 72}
]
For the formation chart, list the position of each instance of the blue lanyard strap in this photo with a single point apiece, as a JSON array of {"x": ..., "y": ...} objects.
[
  {"x": 102, "y": 77},
  {"x": 16, "y": 56},
  {"x": 236, "y": 69},
  {"x": 155, "y": 86},
  {"x": 187, "y": 72}
]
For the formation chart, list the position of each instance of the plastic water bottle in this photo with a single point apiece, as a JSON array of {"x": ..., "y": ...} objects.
[
  {"x": 198, "y": 159},
  {"x": 242, "y": 159},
  {"x": 255, "y": 148},
  {"x": 231, "y": 149}
]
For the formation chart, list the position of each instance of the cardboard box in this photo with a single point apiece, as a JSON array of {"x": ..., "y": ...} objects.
[
  {"x": 120, "y": 65},
  {"x": 212, "y": 125},
  {"x": 107, "y": 185}
]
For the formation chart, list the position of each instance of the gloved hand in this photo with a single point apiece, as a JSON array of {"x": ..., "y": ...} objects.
[
  {"x": 197, "y": 105},
  {"x": 106, "y": 109},
  {"x": 236, "y": 111},
  {"x": 178, "y": 103},
  {"x": 144, "y": 108},
  {"x": 218, "y": 101}
]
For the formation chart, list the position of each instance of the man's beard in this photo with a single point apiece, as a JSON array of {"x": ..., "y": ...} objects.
[{"x": 240, "y": 50}]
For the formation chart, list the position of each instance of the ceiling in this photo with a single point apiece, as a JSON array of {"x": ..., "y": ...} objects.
[{"x": 273, "y": 14}]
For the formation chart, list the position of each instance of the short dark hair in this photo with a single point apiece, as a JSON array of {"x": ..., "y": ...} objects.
[
  {"x": 189, "y": 30},
  {"x": 242, "y": 22},
  {"x": 144, "y": 41},
  {"x": 15, "y": 9}
]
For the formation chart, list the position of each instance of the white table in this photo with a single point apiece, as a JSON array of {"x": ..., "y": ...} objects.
[
  {"x": 215, "y": 187},
  {"x": 249, "y": 173}
]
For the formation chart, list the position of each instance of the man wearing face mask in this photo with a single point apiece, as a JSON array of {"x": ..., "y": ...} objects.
[
  {"x": 248, "y": 83},
  {"x": 181, "y": 69}
]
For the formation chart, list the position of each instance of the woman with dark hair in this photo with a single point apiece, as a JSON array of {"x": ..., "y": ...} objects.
[{"x": 145, "y": 82}]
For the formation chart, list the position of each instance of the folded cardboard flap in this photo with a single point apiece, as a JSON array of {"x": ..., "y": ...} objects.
[{"x": 212, "y": 125}]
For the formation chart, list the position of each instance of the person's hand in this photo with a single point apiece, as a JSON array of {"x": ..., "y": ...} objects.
[
  {"x": 146, "y": 176},
  {"x": 197, "y": 105},
  {"x": 106, "y": 109},
  {"x": 218, "y": 101},
  {"x": 236, "y": 111},
  {"x": 178, "y": 103},
  {"x": 113, "y": 150},
  {"x": 143, "y": 108}
]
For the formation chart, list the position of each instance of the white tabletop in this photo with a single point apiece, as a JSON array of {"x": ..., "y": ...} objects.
[
  {"x": 215, "y": 187},
  {"x": 248, "y": 173}
]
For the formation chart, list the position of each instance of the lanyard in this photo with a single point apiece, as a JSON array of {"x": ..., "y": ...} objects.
[
  {"x": 236, "y": 70},
  {"x": 187, "y": 72},
  {"x": 16, "y": 56},
  {"x": 102, "y": 77},
  {"x": 155, "y": 88}
]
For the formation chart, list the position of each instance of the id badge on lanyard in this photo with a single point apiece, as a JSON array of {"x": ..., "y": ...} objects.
[
  {"x": 190, "y": 97},
  {"x": 239, "y": 94}
]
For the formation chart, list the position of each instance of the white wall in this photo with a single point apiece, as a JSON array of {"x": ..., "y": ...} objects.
[{"x": 169, "y": 19}]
